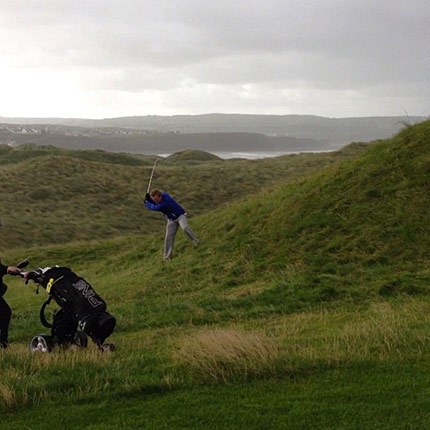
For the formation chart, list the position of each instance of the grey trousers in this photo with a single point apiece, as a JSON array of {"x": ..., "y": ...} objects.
[{"x": 171, "y": 229}]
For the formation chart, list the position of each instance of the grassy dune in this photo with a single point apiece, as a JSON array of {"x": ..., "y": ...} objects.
[
  {"x": 52, "y": 195},
  {"x": 305, "y": 306}
]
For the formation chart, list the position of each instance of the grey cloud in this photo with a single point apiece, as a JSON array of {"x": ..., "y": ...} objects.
[
  {"x": 130, "y": 30},
  {"x": 142, "y": 45}
]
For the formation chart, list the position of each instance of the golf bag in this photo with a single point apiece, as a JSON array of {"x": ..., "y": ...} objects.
[{"x": 82, "y": 311}]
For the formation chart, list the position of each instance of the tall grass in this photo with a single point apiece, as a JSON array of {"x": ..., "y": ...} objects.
[
  {"x": 223, "y": 355},
  {"x": 292, "y": 344},
  {"x": 384, "y": 332},
  {"x": 29, "y": 378}
]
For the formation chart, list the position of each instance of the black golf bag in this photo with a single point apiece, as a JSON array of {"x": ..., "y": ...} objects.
[{"x": 82, "y": 311}]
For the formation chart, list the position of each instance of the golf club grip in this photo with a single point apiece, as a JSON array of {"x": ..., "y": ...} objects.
[{"x": 22, "y": 264}]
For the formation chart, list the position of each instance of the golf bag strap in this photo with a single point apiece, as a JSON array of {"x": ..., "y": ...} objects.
[{"x": 42, "y": 317}]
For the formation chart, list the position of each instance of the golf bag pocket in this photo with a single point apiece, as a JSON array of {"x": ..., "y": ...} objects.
[{"x": 64, "y": 327}]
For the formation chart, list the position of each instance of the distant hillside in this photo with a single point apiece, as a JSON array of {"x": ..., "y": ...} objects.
[
  {"x": 335, "y": 131},
  {"x": 150, "y": 142}
]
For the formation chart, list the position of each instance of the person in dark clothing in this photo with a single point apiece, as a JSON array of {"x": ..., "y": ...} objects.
[
  {"x": 176, "y": 217},
  {"x": 5, "y": 310},
  {"x": 80, "y": 305}
]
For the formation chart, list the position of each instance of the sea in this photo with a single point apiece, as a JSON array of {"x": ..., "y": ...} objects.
[{"x": 226, "y": 155}]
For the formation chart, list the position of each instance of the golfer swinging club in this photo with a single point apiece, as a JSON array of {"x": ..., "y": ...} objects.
[{"x": 175, "y": 214}]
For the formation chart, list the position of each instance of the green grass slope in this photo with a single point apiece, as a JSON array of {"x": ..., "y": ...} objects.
[
  {"x": 305, "y": 306},
  {"x": 355, "y": 231},
  {"x": 368, "y": 218}
]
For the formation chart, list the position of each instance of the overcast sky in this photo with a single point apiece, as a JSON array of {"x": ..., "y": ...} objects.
[{"x": 109, "y": 58}]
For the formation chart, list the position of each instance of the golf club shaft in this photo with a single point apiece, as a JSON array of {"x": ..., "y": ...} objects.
[{"x": 152, "y": 174}]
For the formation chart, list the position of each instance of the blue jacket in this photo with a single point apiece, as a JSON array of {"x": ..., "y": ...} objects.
[{"x": 168, "y": 206}]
